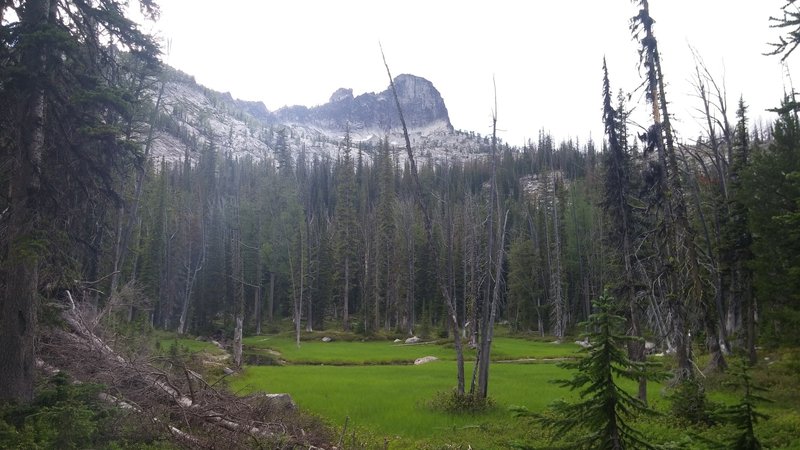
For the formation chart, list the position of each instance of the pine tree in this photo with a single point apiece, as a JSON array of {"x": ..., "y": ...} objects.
[
  {"x": 737, "y": 239},
  {"x": 603, "y": 414},
  {"x": 677, "y": 254},
  {"x": 744, "y": 415},
  {"x": 617, "y": 203},
  {"x": 773, "y": 185},
  {"x": 60, "y": 134},
  {"x": 791, "y": 22},
  {"x": 345, "y": 218}
]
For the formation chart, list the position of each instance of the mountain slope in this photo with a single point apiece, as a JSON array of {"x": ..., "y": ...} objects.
[{"x": 193, "y": 116}]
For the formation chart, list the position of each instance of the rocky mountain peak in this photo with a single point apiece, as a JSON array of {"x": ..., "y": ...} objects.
[
  {"x": 341, "y": 95},
  {"x": 422, "y": 105},
  {"x": 421, "y": 102},
  {"x": 194, "y": 116}
]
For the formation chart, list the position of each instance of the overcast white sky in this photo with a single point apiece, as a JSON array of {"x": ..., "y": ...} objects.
[{"x": 546, "y": 55}]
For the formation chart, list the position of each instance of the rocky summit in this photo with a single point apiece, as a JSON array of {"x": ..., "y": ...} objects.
[
  {"x": 194, "y": 116},
  {"x": 422, "y": 105}
]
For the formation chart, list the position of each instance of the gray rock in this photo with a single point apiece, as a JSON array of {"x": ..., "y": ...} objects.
[
  {"x": 413, "y": 340},
  {"x": 397, "y": 341},
  {"x": 281, "y": 401},
  {"x": 326, "y": 339},
  {"x": 421, "y": 102},
  {"x": 425, "y": 360}
]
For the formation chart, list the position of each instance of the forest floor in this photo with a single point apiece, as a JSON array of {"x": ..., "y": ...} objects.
[{"x": 373, "y": 396}]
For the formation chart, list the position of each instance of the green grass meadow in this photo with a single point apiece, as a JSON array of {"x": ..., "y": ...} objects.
[
  {"x": 388, "y": 352},
  {"x": 391, "y": 400},
  {"x": 386, "y": 400}
]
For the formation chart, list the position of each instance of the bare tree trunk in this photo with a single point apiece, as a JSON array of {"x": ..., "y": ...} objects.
[
  {"x": 18, "y": 308},
  {"x": 258, "y": 302},
  {"x": 432, "y": 247},
  {"x": 271, "y": 300},
  {"x": 346, "y": 296},
  {"x": 486, "y": 344},
  {"x": 238, "y": 290},
  {"x": 191, "y": 277}
]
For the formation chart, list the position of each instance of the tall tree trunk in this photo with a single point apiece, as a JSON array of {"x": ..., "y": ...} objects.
[
  {"x": 486, "y": 343},
  {"x": 271, "y": 298},
  {"x": 238, "y": 289},
  {"x": 18, "y": 313},
  {"x": 346, "y": 296},
  {"x": 432, "y": 247}
]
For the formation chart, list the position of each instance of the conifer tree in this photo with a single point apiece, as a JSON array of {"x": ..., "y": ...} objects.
[
  {"x": 677, "y": 254},
  {"x": 59, "y": 134},
  {"x": 791, "y": 23},
  {"x": 346, "y": 227},
  {"x": 603, "y": 413},
  {"x": 744, "y": 415},
  {"x": 618, "y": 205},
  {"x": 737, "y": 238},
  {"x": 773, "y": 185}
]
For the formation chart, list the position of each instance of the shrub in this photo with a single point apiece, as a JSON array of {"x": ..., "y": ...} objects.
[
  {"x": 456, "y": 403},
  {"x": 689, "y": 402},
  {"x": 63, "y": 415}
]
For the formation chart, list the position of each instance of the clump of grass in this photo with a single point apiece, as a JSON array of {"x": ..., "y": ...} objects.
[{"x": 454, "y": 402}]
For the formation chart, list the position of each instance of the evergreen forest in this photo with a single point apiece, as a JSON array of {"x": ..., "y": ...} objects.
[{"x": 673, "y": 263}]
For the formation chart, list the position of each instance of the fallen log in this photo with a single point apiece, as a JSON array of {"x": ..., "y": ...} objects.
[{"x": 141, "y": 386}]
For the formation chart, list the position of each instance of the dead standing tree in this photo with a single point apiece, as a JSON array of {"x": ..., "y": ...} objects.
[
  {"x": 678, "y": 255},
  {"x": 441, "y": 275},
  {"x": 489, "y": 310}
]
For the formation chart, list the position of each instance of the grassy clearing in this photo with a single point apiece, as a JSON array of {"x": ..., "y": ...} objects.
[
  {"x": 386, "y": 398},
  {"x": 391, "y": 400},
  {"x": 387, "y": 352}
]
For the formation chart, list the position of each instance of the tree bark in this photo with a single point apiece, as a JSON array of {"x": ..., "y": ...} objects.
[
  {"x": 18, "y": 310},
  {"x": 432, "y": 247}
]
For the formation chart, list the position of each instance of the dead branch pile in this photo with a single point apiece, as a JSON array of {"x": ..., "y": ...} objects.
[{"x": 171, "y": 399}]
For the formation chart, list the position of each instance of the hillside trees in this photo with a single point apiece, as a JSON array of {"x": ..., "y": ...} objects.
[
  {"x": 773, "y": 185},
  {"x": 62, "y": 134}
]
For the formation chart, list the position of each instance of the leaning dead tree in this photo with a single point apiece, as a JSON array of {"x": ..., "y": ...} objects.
[
  {"x": 189, "y": 410},
  {"x": 441, "y": 275}
]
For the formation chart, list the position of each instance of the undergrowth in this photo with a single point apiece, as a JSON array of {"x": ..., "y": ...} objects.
[
  {"x": 454, "y": 402},
  {"x": 65, "y": 415}
]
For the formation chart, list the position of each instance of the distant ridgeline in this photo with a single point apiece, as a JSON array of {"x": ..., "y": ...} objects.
[{"x": 193, "y": 116}]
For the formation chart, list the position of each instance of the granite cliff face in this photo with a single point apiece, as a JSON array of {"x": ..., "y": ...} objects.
[
  {"x": 194, "y": 116},
  {"x": 422, "y": 105}
]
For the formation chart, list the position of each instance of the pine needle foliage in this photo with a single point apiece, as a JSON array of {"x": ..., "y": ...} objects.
[
  {"x": 744, "y": 415},
  {"x": 788, "y": 24},
  {"x": 605, "y": 409}
]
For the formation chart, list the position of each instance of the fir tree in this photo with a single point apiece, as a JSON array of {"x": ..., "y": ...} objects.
[
  {"x": 791, "y": 23},
  {"x": 61, "y": 140},
  {"x": 773, "y": 185},
  {"x": 605, "y": 408},
  {"x": 618, "y": 206},
  {"x": 743, "y": 415}
]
